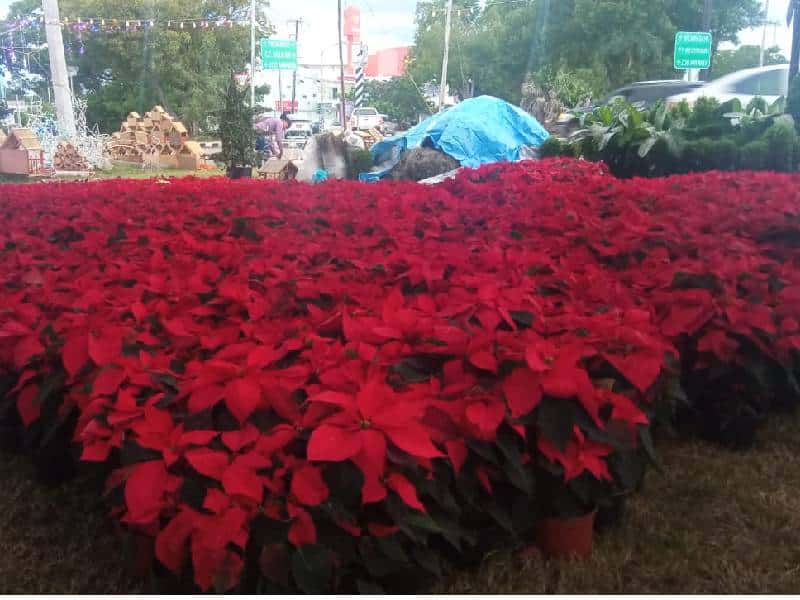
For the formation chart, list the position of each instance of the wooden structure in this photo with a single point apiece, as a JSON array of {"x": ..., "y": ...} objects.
[
  {"x": 155, "y": 139},
  {"x": 278, "y": 170},
  {"x": 191, "y": 156},
  {"x": 21, "y": 153},
  {"x": 67, "y": 158},
  {"x": 370, "y": 137}
]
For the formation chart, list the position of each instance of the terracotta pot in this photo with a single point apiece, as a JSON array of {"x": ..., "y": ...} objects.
[{"x": 566, "y": 537}]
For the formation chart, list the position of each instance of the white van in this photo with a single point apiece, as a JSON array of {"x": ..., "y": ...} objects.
[{"x": 769, "y": 83}]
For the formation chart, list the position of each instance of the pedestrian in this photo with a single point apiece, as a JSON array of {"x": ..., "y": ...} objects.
[{"x": 275, "y": 128}]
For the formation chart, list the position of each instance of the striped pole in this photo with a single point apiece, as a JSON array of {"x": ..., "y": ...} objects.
[{"x": 360, "y": 67}]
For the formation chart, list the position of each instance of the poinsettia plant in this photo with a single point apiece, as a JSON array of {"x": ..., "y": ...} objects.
[{"x": 342, "y": 386}]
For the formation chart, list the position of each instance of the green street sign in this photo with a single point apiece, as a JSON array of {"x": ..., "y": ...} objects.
[
  {"x": 278, "y": 55},
  {"x": 692, "y": 50}
]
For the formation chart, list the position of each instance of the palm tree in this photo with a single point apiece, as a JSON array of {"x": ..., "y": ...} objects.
[{"x": 793, "y": 18}]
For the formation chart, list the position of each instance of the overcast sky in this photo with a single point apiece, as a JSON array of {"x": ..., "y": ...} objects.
[
  {"x": 387, "y": 23},
  {"x": 384, "y": 24}
]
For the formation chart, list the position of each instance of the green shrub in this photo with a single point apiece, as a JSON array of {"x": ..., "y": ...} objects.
[
  {"x": 682, "y": 111},
  {"x": 704, "y": 112},
  {"x": 757, "y": 103},
  {"x": 698, "y": 155},
  {"x": 793, "y": 104},
  {"x": 553, "y": 147},
  {"x": 753, "y": 156},
  {"x": 780, "y": 139},
  {"x": 796, "y": 153},
  {"x": 358, "y": 161},
  {"x": 726, "y": 155}
]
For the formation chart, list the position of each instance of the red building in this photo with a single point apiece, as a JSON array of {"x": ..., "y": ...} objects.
[{"x": 390, "y": 62}]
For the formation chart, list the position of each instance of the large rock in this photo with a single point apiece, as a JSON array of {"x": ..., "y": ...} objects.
[{"x": 422, "y": 163}]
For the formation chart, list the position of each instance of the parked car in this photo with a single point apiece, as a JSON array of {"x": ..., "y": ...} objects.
[
  {"x": 769, "y": 83},
  {"x": 650, "y": 92},
  {"x": 366, "y": 118},
  {"x": 298, "y": 134}
]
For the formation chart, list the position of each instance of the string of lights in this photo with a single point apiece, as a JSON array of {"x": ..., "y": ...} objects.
[{"x": 95, "y": 24}]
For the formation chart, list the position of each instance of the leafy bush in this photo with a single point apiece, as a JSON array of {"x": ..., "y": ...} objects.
[
  {"x": 793, "y": 102},
  {"x": 570, "y": 87},
  {"x": 754, "y": 156},
  {"x": 657, "y": 142},
  {"x": 780, "y": 139},
  {"x": 339, "y": 386},
  {"x": 553, "y": 147},
  {"x": 358, "y": 161}
]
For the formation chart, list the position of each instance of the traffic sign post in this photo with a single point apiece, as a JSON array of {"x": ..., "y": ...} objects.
[
  {"x": 278, "y": 55},
  {"x": 692, "y": 50}
]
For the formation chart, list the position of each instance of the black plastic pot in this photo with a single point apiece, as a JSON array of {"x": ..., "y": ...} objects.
[{"x": 240, "y": 172}]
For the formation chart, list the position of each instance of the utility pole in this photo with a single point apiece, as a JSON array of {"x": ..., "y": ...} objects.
[
  {"x": 294, "y": 75},
  {"x": 58, "y": 67},
  {"x": 708, "y": 9},
  {"x": 764, "y": 36},
  {"x": 447, "y": 26},
  {"x": 253, "y": 54},
  {"x": 280, "y": 91},
  {"x": 341, "y": 67},
  {"x": 793, "y": 17}
]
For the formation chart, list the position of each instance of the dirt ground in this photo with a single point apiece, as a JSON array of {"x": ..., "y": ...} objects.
[{"x": 716, "y": 522}]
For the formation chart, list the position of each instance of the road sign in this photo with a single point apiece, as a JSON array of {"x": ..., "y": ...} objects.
[
  {"x": 692, "y": 50},
  {"x": 278, "y": 55}
]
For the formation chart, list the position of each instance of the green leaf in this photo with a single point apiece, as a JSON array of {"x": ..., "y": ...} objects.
[
  {"x": 555, "y": 418},
  {"x": 660, "y": 116},
  {"x": 484, "y": 450},
  {"x": 647, "y": 444},
  {"x": 501, "y": 516},
  {"x": 312, "y": 568},
  {"x": 345, "y": 481},
  {"x": 646, "y": 146},
  {"x": 428, "y": 560},
  {"x": 390, "y": 546},
  {"x": 517, "y": 473}
]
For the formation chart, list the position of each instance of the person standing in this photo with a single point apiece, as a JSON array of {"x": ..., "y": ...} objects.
[{"x": 275, "y": 130}]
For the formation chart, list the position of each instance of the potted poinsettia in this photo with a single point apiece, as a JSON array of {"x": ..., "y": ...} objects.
[{"x": 236, "y": 132}]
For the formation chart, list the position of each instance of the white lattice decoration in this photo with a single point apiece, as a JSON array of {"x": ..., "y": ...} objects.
[{"x": 89, "y": 142}]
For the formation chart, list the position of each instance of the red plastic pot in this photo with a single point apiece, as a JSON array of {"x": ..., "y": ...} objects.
[{"x": 566, "y": 537}]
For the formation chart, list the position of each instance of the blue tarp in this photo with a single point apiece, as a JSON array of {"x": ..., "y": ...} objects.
[{"x": 474, "y": 132}]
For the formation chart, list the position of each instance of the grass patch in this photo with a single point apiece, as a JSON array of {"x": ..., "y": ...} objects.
[
  {"x": 716, "y": 522},
  {"x": 132, "y": 172}
]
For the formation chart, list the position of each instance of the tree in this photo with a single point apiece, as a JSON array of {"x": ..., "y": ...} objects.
[
  {"x": 489, "y": 45},
  {"x": 614, "y": 41},
  {"x": 397, "y": 98},
  {"x": 183, "y": 70},
  {"x": 745, "y": 57},
  {"x": 236, "y": 127}
]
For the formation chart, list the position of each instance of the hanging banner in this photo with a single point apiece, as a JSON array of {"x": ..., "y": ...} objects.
[
  {"x": 278, "y": 55},
  {"x": 286, "y": 105}
]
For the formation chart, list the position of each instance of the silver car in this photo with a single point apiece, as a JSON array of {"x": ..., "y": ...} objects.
[{"x": 769, "y": 83}]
